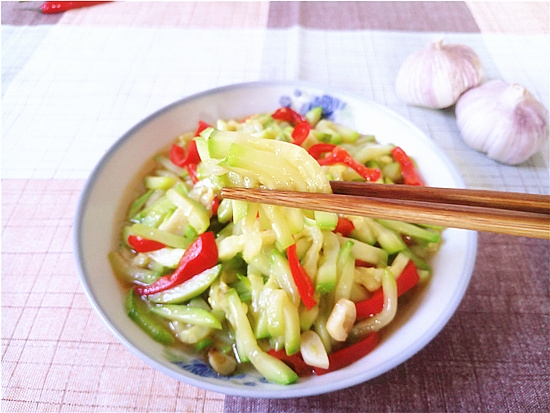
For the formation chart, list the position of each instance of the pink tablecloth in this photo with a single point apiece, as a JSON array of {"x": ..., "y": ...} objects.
[{"x": 72, "y": 83}]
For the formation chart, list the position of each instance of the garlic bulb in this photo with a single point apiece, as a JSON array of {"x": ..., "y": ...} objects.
[
  {"x": 437, "y": 75},
  {"x": 502, "y": 120}
]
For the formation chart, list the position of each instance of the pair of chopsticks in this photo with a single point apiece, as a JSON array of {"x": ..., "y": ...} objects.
[{"x": 509, "y": 213}]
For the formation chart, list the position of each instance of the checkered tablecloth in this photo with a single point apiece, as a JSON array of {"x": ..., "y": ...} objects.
[{"x": 73, "y": 83}]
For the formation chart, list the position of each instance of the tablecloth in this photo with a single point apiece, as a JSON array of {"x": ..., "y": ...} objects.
[{"x": 74, "y": 82}]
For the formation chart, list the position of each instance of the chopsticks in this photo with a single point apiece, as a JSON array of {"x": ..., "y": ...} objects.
[
  {"x": 512, "y": 201},
  {"x": 509, "y": 213}
]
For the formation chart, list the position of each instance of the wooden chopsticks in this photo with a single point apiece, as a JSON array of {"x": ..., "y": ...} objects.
[
  {"x": 512, "y": 201},
  {"x": 487, "y": 211}
]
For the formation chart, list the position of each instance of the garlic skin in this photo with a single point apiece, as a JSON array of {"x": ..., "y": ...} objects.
[
  {"x": 502, "y": 120},
  {"x": 437, "y": 75}
]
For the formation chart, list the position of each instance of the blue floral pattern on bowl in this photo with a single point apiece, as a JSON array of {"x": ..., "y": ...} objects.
[
  {"x": 302, "y": 102},
  {"x": 200, "y": 368}
]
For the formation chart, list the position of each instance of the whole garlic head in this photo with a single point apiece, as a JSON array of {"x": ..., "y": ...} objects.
[
  {"x": 437, "y": 75},
  {"x": 502, "y": 120}
]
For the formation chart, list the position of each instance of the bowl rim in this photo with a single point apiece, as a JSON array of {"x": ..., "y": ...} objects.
[{"x": 244, "y": 391}]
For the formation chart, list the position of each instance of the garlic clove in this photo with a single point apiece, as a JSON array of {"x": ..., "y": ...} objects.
[
  {"x": 437, "y": 75},
  {"x": 502, "y": 120}
]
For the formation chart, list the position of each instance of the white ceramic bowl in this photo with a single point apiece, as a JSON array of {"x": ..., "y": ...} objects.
[{"x": 106, "y": 196}]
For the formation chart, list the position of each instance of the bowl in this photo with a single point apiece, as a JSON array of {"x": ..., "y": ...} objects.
[{"x": 106, "y": 195}]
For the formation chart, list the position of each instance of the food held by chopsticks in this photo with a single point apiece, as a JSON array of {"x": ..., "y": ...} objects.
[{"x": 291, "y": 291}]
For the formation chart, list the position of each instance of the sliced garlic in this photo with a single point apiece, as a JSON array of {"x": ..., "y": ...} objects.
[
  {"x": 312, "y": 349},
  {"x": 502, "y": 120},
  {"x": 437, "y": 75},
  {"x": 341, "y": 319},
  {"x": 222, "y": 363}
]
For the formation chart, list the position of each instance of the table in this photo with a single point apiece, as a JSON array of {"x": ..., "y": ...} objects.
[{"x": 72, "y": 83}]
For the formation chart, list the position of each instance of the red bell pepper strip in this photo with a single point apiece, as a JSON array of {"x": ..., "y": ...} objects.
[
  {"x": 360, "y": 263},
  {"x": 294, "y": 361},
  {"x": 177, "y": 155},
  {"x": 202, "y": 126},
  {"x": 407, "y": 280},
  {"x": 140, "y": 244},
  {"x": 408, "y": 169},
  {"x": 192, "y": 171},
  {"x": 181, "y": 159},
  {"x": 305, "y": 286},
  {"x": 188, "y": 161},
  {"x": 347, "y": 355},
  {"x": 316, "y": 151},
  {"x": 288, "y": 115},
  {"x": 215, "y": 205},
  {"x": 335, "y": 154},
  {"x": 201, "y": 255},
  {"x": 300, "y": 132},
  {"x": 344, "y": 226}
]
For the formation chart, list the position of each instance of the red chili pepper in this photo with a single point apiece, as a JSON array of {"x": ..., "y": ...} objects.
[
  {"x": 301, "y": 132},
  {"x": 177, "y": 155},
  {"x": 215, "y": 205},
  {"x": 407, "y": 280},
  {"x": 53, "y": 7},
  {"x": 201, "y": 255},
  {"x": 408, "y": 169},
  {"x": 192, "y": 171},
  {"x": 294, "y": 361},
  {"x": 344, "y": 226},
  {"x": 188, "y": 161},
  {"x": 202, "y": 126},
  {"x": 181, "y": 159},
  {"x": 338, "y": 155},
  {"x": 317, "y": 150},
  {"x": 288, "y": 115},
  {"x": 359, "y": 263},
  {"x": 140, "y": 244},
  {"x": 350, "y": 354},
  {"x": 305, "y": 286}
]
